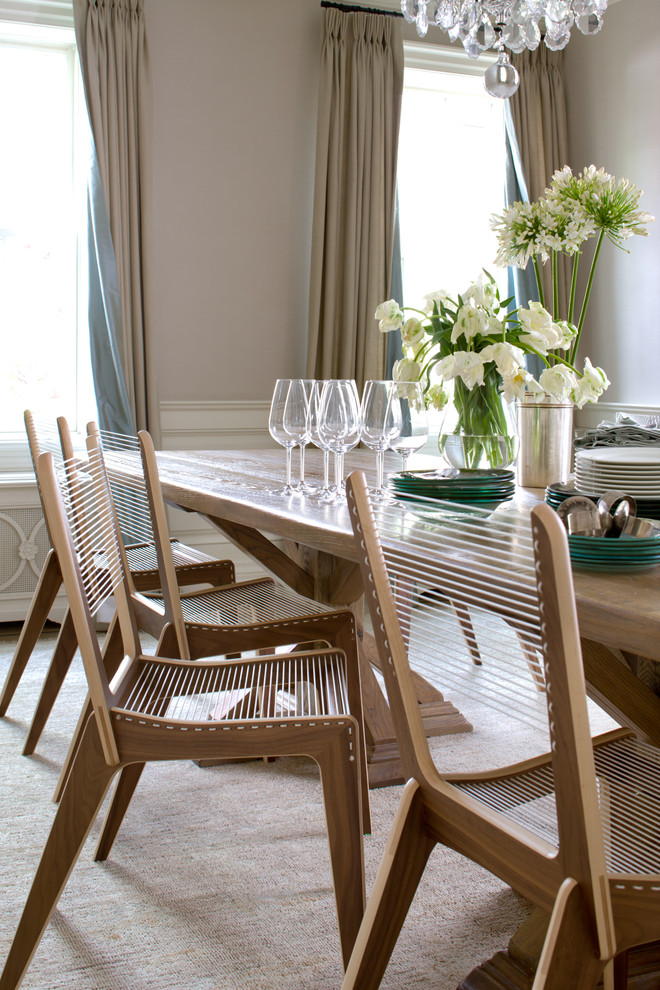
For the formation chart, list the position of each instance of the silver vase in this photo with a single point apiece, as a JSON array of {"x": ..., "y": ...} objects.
[{"x": 545, "y": 455}]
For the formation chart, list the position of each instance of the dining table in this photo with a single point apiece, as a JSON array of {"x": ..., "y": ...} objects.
[{"x": 308, "y": 543}]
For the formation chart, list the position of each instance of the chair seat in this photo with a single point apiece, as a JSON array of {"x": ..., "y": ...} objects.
[
  {"x": 249, "y": 603},
  {"x": 274, "y": 688},
  {"x": 143, "y": 556},
  {"x": 628, "y": 774}
]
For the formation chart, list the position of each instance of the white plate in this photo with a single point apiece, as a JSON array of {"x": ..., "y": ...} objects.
[{"x": 620, "y": 455}]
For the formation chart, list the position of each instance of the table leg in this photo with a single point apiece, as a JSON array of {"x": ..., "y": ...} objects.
[
  {"x": 613, "y": 686},
  {"x": 514, "y": 967}
]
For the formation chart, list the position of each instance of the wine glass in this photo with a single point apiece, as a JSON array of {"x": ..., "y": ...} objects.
[
  {"x": 287, "y": 423},
  {"x": 380, "y": 425},
  {"x": 414, "y": 421},
  {"x": 339, "y": 423},
  {"x": 302, "y": 486},
  {"x": 326, "y": 492}
]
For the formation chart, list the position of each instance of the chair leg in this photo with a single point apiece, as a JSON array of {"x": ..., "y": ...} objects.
[
  {"x": 72, "y": 751},
  {"x": 50, "y": 582},
  {"x": 340, "y": 778},
  {"x": 113, "y": 653},
  {"x": 86, "y": 787},
  {"x": 569, "y": 957},
  {"x": 128, "y": 781},
  {"x": 65, "y": 648},
  {"x": 345, "y": 639},
  {"x": 408, "y": 849}
]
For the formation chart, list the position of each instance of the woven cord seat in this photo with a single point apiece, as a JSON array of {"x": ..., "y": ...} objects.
[{"x": 168, "y": 709}]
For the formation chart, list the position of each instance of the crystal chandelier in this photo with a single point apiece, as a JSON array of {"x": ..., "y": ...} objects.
[{"x": 500, "y": 24}]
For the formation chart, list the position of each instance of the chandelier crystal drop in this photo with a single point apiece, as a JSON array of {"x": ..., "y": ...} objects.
[{"x": 512, "y": 24}]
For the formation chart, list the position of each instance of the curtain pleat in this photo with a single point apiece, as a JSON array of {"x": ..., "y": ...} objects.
[
  {"x": 538, "y": 111},
  {"x": 111, "y": 44},
  {"x": 360, "y": 93}
]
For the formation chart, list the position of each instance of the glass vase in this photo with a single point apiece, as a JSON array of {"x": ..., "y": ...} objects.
[{"x": 479, "y": 428}]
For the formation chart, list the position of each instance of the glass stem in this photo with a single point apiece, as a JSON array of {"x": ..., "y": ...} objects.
[
  {"x": 326, "y": 470},
  {"x": 404, "y": 460},
  {"x": 339, "y": 469},
  {"x": 289, "y": 452},
  {"x": 302, "y": 463},
  {"x": 380, "y": 469}
]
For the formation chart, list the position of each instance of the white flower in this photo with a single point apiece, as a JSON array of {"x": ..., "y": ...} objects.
[
  {"x": 542, "y": 334},
  {"x": 568, "y": 331},
  {"x": 482, "y": 293},
  {"x": 470, "y": 321},
  {"x": 406, "y": 370},
  {"x": 508, "y": 358},
  {"x": 412, "y": 334},
  {"x": 591, "y": 386},
  {"x": 462, "y": 364},
  {"x": 437, "y": 397},
  {"x": 390, "y": 316},
  {"x": 439, "y": 296},
  {"x": 515, "y": 383},
  {"x": 558, "y": 382}
]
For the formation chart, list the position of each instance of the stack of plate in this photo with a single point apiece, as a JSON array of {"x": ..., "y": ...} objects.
[
  {"x": 626, "y": 552},
  {"x": 455, "y": 485},
  {"x": 634, "y": 470}
]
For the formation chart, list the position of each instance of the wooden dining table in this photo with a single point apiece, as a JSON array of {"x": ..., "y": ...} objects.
[{"x": 308, "y": 544}]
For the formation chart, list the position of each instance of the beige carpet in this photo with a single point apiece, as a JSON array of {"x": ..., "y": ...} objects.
[{"x": 219, "y": 878}]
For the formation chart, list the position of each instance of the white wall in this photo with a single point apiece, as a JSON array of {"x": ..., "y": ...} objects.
[
  {"x": 234, "y": 132},
  {"x": 614, "y": 121}
]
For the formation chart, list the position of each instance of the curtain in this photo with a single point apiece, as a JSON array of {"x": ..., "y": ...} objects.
[
  {"x": 113, "y": 57},
  {"x": 361, "y": 86},
  {"x": 538, "y": 112}
]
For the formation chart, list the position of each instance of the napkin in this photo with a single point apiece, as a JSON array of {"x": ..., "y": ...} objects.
[{"x": 624, "y": 432}]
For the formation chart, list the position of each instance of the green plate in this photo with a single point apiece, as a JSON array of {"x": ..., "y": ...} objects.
[{"x": 628, "y": 552}]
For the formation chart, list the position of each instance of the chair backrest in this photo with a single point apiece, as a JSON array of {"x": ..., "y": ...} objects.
[
  {"x": 513, "y": 573},
  {"x": 43, "y": 437},
  {"x": 161, "y": 537},
  {"x": 81, "y": 520},
  {"x": 129, "y": 493}
]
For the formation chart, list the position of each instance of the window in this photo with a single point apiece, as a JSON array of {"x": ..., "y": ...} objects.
[
  {"x": 451, "y": 172},
  {"x": 43, "y": 171}
]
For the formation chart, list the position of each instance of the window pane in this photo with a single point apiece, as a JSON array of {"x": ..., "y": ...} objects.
[
  {"x": 451, "y": 175},
  {"x": 39, "y": 219}
]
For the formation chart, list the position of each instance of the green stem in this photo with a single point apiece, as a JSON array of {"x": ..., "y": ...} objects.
[
  {"x": 555, "y": 286},
  {"x": 585, "y": 301},
  {"x": 539, "y": 283},
  {"x": 571, "y": 301}
]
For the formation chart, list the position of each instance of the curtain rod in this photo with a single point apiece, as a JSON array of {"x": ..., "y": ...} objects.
[{"x": 348, "y": 8}]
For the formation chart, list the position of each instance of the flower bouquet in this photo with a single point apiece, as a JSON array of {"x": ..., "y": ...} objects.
[{"x": 479, "y": 343}]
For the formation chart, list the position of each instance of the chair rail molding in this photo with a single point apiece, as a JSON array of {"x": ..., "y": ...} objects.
[{"x": 215, "y": 425}]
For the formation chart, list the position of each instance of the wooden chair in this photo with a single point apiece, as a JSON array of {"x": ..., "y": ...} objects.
[
  {"x": 192, "y": 568},
  {"x": 251, "y": 615},
  {"x": 164, "y": 709},
  {"x": 575, "y": 831}
]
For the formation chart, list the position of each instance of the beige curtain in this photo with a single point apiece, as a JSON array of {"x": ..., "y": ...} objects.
[
  {"x": 538, "y": 110},
  {"x": 358, "y": 127},
  {"x": 113, "y": 57}
]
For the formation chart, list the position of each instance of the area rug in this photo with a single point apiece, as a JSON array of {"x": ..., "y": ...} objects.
[{"x": 220, "y": 877}]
